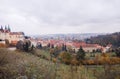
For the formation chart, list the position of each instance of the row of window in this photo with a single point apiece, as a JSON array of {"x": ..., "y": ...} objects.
[{"x": 16, "y": 36}]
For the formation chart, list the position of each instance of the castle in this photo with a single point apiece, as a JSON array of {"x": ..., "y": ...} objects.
[{"x": 12, "y": 37}]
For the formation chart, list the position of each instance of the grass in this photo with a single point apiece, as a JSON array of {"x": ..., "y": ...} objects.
[{"x": 42, "y": 53}]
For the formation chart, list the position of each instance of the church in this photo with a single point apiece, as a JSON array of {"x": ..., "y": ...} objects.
[{"x": 12, "y": 37}]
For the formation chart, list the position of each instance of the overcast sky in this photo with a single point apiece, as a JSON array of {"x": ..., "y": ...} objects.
[{"x": 61, "y": 16}]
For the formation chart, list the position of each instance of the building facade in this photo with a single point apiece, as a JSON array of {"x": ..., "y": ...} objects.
[{"x": 12, "y": 37}]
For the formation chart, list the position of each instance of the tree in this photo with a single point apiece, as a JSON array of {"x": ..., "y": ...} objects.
[
  {"x": 39, "y": 46},
  {"x": 7, "y": 42},
  {"x": 104, "y": 40},
  {"x": 19, "y": 45},
  {"x": 65, "y": 57},
  {"x": 27, "y": 45},
  {"x": 52, "y": 46},
  {"x": 52, "y": 53},
  {"x": 57, "y": 51},
  {"x": 48, "y": 45},
  {"x": 117, "y": 51},
  {"x": 80, "y": 54},
  {"x": 24, "y": 46},
  {"x": 64, "y": 47}
]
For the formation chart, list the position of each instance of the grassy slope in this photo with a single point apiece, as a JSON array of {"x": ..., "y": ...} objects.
[{"x": 18, "y": 64}]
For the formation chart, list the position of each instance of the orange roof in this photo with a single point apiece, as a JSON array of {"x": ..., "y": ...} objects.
[
  {"x": 83, "y": 44},
  {"x": 16, "y": 33}
]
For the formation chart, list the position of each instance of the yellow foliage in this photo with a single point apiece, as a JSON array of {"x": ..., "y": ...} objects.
[
  {"x": 2, "y": 45},
  {"x": 90, "y": 62},
  {"x": 115, "y": 60},
  {"x": 74, "y": 61},
  {"x": 65, "y": 57},
  {"x": 51, "y": 51},
  {"x": 54, "y": 60}
]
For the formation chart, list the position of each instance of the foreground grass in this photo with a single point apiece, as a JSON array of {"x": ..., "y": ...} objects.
[{"x": 22, "y": 65}]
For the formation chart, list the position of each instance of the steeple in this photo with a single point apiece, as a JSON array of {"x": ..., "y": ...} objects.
[
  {"x": 9, "y": 28},
  {"x": 5, "y": 30},
  {"x": 5, "y": 27},
  {"x": 1, "y": 27}
]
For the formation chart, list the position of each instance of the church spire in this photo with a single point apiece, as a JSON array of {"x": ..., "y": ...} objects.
[
  {"x": 5, "y": 27},
  {"x": 9, "y": 28},
  {"x": 5, "y": 30},
  {"x": 1, "y": 27}
]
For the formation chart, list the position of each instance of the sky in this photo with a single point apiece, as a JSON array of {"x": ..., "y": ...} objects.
[{"x": 61, "y": 16}]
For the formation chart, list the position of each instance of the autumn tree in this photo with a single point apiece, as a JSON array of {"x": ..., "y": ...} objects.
[
  {"x": 7, "y": 42},
  {"x": 52, "y": 51},
  {"x": 65, "y": 57},
  {"x": 57, "y": 51}
]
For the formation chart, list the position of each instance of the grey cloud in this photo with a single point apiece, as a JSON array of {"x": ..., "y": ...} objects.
[{"x": 82, "y": 15}]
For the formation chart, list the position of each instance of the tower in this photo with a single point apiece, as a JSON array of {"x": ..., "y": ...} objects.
[
  {"x": 9, "y": 28},
  {"x": 5, "y": 30},
  {"x": 1, "y": 28}
]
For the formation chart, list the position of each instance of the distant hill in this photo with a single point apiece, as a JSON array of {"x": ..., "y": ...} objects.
[{"x": 104, "y": 40}]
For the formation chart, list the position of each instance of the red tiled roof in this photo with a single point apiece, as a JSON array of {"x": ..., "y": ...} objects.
[
  {"x": 83, "y": 44},
  {"x": 16, "y": 33}
]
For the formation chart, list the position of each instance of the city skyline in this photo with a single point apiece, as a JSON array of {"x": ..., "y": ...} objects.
[{"x": 61, "y": 16}]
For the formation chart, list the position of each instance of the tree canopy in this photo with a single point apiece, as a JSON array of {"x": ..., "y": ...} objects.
[{"x": 80, "y": 54}]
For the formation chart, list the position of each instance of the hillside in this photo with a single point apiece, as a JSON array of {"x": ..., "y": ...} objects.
[
  {"x": 23, "y": 65},
  {"x": 104, "y": 40}
]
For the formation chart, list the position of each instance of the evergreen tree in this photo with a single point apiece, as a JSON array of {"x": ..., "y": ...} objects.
[
  {"x": 117, "y": 51},
  {"x": 48, "y": 45},
  {"x": 24, "y": 46},
  {"x": 80, "y": 54},
  {"x": 64, "y": 47},
  {"x": 20, "y": 45},
  {"x": 52, "y": 46},
  {"x": 39, "y": 46}
]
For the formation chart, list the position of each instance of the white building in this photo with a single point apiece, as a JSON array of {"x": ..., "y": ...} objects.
[{"x": 12, "y": 37}]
